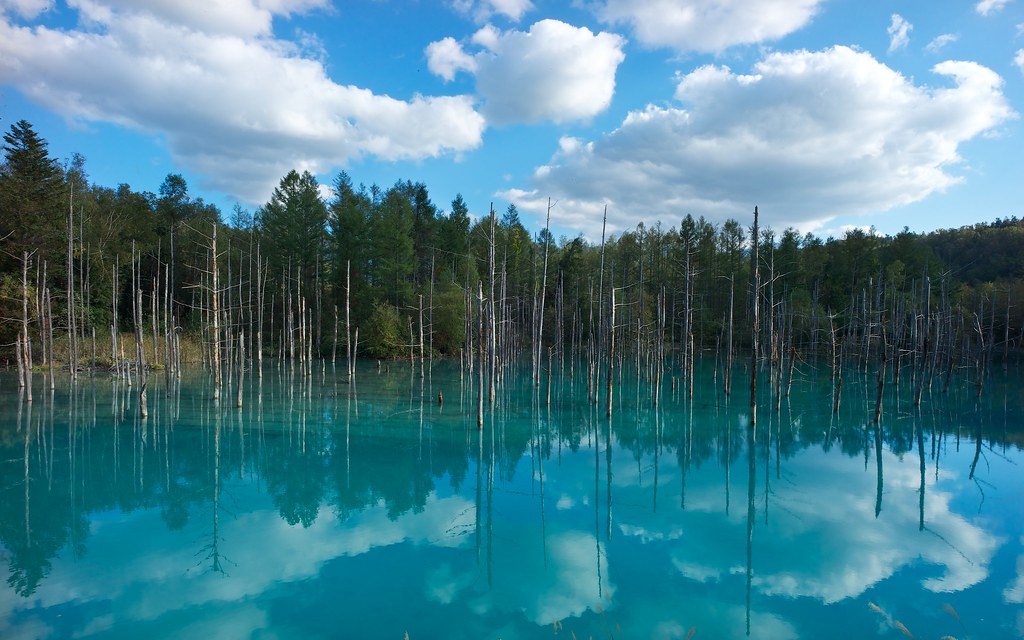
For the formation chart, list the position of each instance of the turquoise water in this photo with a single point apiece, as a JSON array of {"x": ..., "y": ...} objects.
[{"x": 328, "y": 510}]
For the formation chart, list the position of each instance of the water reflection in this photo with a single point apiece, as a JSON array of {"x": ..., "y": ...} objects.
[{"x": 208, "y": 517}]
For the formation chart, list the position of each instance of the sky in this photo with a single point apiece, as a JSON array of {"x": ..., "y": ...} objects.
[{"x": 826, "y": 114}]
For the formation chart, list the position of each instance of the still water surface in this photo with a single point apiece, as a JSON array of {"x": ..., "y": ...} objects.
[{"x": 325, "y": 510}]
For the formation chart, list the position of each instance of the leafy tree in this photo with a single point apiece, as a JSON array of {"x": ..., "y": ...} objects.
[{"x": 384, "y": 332}]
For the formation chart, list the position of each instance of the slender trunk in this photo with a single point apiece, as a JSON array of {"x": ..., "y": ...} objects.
[
  {"x": 543, "y": 291},
  {"x": 755, "y": 321},
  {"x": 260, "y": 294},
  {"x": 20, "y": 358},
  {"x": 168, "y": 333},
  {"x": 26, "y": 341},
  {"x": 548, "y": 402},
  {"x": 480, "y": 364},
  {"x": 156, "y": 353},
  {"x": 611, "y": 349},
  {"x": 113, "y": 311},
  {"x": 926, "y": 342},
  {"x": 1006, "y": 334},
  {"x": 72, "y": 347},
  {"x": 492, "y": 362},
  {"x": 881, "y": 380},
  {"x": 421, "y": 342},
  {"x": 241, "y": 366},
  {"x": 349, "y": 351},
  {"x": 49, "y": 330},
  {"x": 216, "y": 316},
  {"x": 140, "y": 357},
  {"x": 600, "y": 308},
  {"x": 728, "y": 343},
  {"x": 334, "y": 342}
]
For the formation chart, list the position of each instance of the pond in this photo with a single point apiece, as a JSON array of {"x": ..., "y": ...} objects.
[{"x": 322, "y": 509}]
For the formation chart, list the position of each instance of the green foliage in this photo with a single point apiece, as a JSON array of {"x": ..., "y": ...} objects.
[
  {"x": 453, "y": 239},
  {"x": 391, "y": 244},
  {"x": 398, "y": 246},
  {"x": 385, "y": 335},
  {"x": 31, "y": 197},
  {"x": 982, "y": 252},
  {"x": 293, "y": 229},
  {"x": 449, "y": 314}
]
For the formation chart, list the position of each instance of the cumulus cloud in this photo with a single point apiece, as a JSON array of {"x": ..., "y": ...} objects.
[
  {"x": 232, "y": 17},
  {"x": 144, "y": 579},
  {"x": 446, "y": 57},
  {"x": 554, "y": 71},
  {"x": 941, "y": 41},
  {"x": 807, "y": 135},
  {"x": 863, "y": 549},
  {"x": 899, "y": 33},
  {"x": 1014, "y": 592},
  {"x": 235, "y": 104},
  {"x": 483, "y": 10},
  {"x": 989, "y": 7},
  {"x": 707, "y": 25},
  {"x": 28, "y": 9},
  {"x": 1019, "y": 59}
]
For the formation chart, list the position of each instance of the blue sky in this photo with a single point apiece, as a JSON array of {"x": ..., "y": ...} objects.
[{"x": 827, "y": 114}]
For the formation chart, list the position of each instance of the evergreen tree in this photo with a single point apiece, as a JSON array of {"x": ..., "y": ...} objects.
[
  {"x": 348, "y": 221},
  {"x": 293, "y": 229},
  {"x": 393, "y": 257},
  {"x": 31, "y": 189},
  {"x": 452, "y": 238}
]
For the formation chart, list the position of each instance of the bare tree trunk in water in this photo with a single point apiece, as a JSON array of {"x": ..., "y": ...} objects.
[
  {"x": 755, "y": 324},
  {"x": 216, "y": 316}
]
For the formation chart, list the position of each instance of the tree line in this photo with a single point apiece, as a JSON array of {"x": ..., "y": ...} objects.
[{"x": 307, "y": 274}]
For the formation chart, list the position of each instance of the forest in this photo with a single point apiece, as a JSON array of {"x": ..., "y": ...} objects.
[{"x": 387, "y": 273}]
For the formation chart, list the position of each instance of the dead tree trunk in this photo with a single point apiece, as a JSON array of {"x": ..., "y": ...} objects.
[
  {"x": 543, "y": 290},
  {"x": 216, "y": 315},
  {"x": 26, "y": 341},
  {"x": 611, "y": 349},
  {"x": 140, "y": 357},
  {"x": 755, "y": 321}
]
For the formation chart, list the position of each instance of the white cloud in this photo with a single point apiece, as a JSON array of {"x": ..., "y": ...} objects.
[
  {"x": 845, "y": 575},
  {"x": 554, "y": 71},
  {"x": 236, "y": 105},
  {"x": 483, "y": 10},
  {"x": 232, "y": 17},
  {"x": 707, "y": 25},
  {"x": 863, "y": 549},
  {"x": 1019, "y": 60},
  {"x": 807, "y": 136},
  {"x": 144, "y": 579},
  {"x": 1014, "y": 592},
  {"x": 553, "y": 576},
  {"x": 446, "y": 57},
  {"x": 941, "y": 41},
  {"x": 988, "y": 7},
  {"x": 899, "y": 33},
  {"x": 27, "y": 9}
]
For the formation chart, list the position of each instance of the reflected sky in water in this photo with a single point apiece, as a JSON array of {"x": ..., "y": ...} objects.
[{"x": 324, "y": 509}]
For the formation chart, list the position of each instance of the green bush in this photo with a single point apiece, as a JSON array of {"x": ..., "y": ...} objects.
[{"x": 384, "y": 335}]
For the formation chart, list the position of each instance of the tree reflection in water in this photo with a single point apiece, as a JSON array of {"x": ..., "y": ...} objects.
[{"x": 567, "y": 513}]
